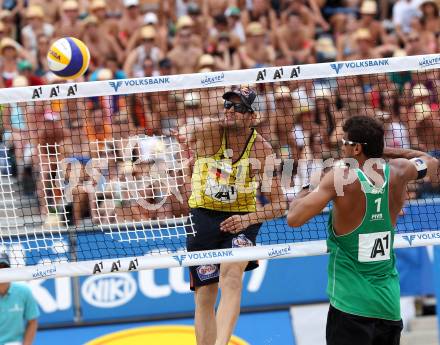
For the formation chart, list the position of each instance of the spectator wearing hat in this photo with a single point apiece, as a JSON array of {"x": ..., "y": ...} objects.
[
  {"x": 10, "y": 29},
  {"x": 282, "y": 124},
  {"x": 430, "y": 18},
  {"x": 325, "y": 50},
  {"x": 201, "y": 22},
  {"x": 260, "y": 11},
  {"x": 256, "y": 52},
  {"x": 364, "y": 45},
  {"x": 233, "y": 15},
  {"x": 293, "y": 40},
  {"x": 160, "y": 39},
  {"x": 130, "y": 22},
  {"x": 36, "y": 25},
  {"x": 100, "y": 42},
  {"x": 226, "y": 55},
  {"x": 18, "y": 319},
  {"x": 134, "y": 64},
  {"x": 185, "y": 55},
  {"x": 98, "y": 9},
  {"x": 69, "y": 24},
  {"x": 368, "y": 12},
  {"x": 51, "y": 9},
  {"x": 11, "y": 53}
]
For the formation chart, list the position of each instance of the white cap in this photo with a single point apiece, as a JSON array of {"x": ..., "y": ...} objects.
[
  {"x": 150, "y": 18},
  {"x": 128, "y": 3}
]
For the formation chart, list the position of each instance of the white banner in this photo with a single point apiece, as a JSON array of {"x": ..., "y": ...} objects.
[
  {"x": 215, "y": 79},
  {"x": 288, "y": 250}
]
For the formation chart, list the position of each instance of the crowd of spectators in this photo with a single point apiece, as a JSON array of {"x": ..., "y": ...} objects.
[{"x": 137, "y": 38}]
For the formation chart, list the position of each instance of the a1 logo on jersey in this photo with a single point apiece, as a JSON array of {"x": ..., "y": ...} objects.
[{"x": 374, "y": 247}]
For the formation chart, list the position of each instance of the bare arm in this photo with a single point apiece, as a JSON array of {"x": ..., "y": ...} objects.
[
  {"x": 401, "y": 159},
  {"x": 31, "y": 330},
  {"x": 129, "y": 62},
  {"x": 309, "y": 204}
]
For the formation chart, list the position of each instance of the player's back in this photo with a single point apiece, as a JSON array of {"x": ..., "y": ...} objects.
[{"x": 363, "y": 279}]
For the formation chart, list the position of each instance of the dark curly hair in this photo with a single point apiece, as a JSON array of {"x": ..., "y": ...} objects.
[{"x": 365, "y": 129}]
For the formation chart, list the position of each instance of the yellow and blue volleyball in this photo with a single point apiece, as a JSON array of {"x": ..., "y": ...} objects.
[{"x": 68, "y": 58}]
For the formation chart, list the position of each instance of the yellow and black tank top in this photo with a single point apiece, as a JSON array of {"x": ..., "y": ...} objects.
[{"x": 220, "y": 184}]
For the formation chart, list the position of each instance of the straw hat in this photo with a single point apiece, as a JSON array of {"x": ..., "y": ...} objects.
[
  {"x": 184, "y": 22},
  {"x": 420, "y": 90},
  {"x": 69, "y": 5},
  {"x": 255, "y": 29},
  {"x": 97, "y": 4},
  {"x": 148, "y": 32},
  {"x": 34, "y": 11},
  {"x": 90, "y": 20},
  {"x": 8, "y": 42},
  {"x": 368, "y": 7}
]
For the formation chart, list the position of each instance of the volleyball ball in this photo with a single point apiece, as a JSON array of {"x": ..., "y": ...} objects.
[{"x": 68, "y": 58}]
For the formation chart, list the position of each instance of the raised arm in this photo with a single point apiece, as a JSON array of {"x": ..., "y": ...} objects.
[
  {"x": 413, "y": 164},
  {"x": 310, "y": 203}
]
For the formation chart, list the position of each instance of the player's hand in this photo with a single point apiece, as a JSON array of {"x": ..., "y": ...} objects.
[{"x": 235, "y": 224}]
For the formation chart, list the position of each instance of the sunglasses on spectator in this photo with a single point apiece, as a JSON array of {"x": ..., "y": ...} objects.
[
  {"x": 413, "y": 39},
  {"x": 238, "y": 107},
  {"x": 148, "y": 40},
  {"x": 351, "y": 143}
]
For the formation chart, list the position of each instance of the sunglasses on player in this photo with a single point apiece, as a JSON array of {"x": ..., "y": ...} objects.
[
  {"x": 352, "y": 143},
  {"x": 238, "y": 107}
]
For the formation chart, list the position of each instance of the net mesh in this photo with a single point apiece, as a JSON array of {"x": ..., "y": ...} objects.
[{"x": 110, "y": 176}]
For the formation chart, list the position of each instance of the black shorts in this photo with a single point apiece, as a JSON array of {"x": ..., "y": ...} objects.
[
  {"x": 349, "y": 329},
  {"x": 208, "y": 236}
]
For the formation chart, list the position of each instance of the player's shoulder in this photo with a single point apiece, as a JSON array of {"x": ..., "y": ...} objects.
[{"x": 20, "y": 289}]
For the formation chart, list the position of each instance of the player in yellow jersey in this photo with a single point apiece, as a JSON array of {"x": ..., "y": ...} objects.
[{"x": 230, "y": 160}]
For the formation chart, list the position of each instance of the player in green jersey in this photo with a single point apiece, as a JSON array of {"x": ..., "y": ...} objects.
[{"x": 367, "y": 193}]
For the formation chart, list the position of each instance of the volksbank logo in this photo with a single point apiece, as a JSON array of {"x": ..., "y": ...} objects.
[
  {"x": 423, "y": 236},
  {"x": 138, "y": 82},
  {"x": 179, "y": 258},
  {"x": 409, "y": 238},
  {"x": 337, "y": 67},
  {"x": 202, "y": 255},
  {"x": 115, "y": 85}
]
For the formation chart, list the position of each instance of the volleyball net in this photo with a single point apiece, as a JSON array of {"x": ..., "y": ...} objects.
[{"x": 95, "y": 177}]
